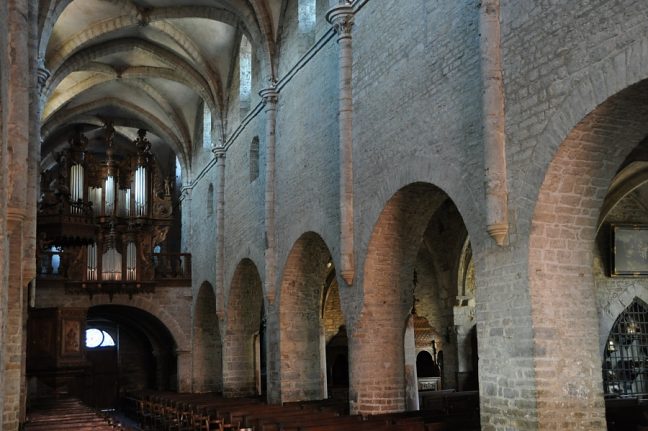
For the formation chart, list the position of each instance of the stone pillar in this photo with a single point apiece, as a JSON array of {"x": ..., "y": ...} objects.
[
  {"x": 18, "y": 116},
  {"x": 411, "y": 379},
  {"x": 270, "y": 97},
  {"x": 341, "y": 17},
  {"x": 273, "y": 355},
  {"x": 219, "y": 155},
  {"x": 4, "y": 181},
  {"x": 493, "y": 119},
  {"x": 322, "y": 352},
  {"x": 184, "y": 366}
]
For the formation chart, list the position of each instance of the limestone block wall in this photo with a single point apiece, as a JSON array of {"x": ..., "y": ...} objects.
[{"x": 417, "y": 117}]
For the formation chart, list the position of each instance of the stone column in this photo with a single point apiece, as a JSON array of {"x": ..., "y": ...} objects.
[
  {"x": 493, "y": 119},
  {"x": 18, "y": 114},
  {"x": 411, "y": 378},
  {"x": 184, "y": 366},
  {"x": 270, "y": 97},
  {"x": 4, "y": 184},
  {"x": 219, "y": 155},
  {"x": 341, "y": 17}
]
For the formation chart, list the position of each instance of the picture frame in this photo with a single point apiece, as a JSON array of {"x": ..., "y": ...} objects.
[{"x": 629, "y": 250}]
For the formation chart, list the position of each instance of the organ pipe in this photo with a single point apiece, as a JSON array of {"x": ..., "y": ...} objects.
[
  {"x": 92, "y": 263},
  {"x": 110, "y": 195},
  {"x": 76, "y": 185},
  {"x": 141, "y": 203},
  {"x": 131, "y": 261}
]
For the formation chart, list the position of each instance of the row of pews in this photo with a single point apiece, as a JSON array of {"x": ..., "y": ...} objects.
[
  {"x": 166, "y": 411},
  {"x": 67, "y": 414}
]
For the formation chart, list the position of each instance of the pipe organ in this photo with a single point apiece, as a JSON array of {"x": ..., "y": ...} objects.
[{"x": 107, "y": 212}]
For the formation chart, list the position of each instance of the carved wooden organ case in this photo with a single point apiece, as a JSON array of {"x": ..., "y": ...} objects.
[{"x": 104, "y": 217}]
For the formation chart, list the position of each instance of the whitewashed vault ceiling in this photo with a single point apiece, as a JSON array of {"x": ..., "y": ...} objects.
[{"x": 146, "y": 63}]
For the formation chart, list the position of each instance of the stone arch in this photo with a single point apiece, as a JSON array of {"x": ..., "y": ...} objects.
[
  {"x": 79, "y": 59},
  {"x": 561, "y": 246},
  {"x": 135, "y": 325},
  {"x": 255, "y": 23},
  {"x": 207, "y": 345},
  {"x": 131, "y": 78},
  {"x": 605, "y": 79},
  {"x": 301, "y": 343},
  {"x": 242, "y": 369},
  {"x": 389, "y": 282},
  {"x": 155, "y": 124},
  {"x": 145, "y": 304}
]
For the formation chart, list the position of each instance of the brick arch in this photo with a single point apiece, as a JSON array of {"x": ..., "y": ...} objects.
[
  {"x": 244, "y": 312},
  {"x": 207, "y": 345},
  {"x": 604, "y": 79},
  {"x": 377, "y": 332},
  {"x": 561, "y": 246},
  {"x": 300, "y": 329}
]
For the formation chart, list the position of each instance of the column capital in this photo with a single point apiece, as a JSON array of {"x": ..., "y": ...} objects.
[
  {"x": 42, "y": 74},
  {"x": 219, "y": 152},
  {"x": 341, "y": 18},
  {"x": 269, "y": 95}
]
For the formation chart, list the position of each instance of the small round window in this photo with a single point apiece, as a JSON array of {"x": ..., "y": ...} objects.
[{"x": 98, "y": 338}]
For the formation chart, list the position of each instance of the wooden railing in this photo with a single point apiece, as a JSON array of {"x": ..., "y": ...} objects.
[
  {"x": 167, "y": 267},
  {"x": 172, "y": 266}
]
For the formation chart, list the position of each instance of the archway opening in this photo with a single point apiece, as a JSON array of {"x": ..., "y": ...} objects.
[
  {"x": 411, "y": 293},
  {"x": 207, "y": 345},
  {"x": 244, "y": 347},
  {"x": 337, "y": 343},
  {"x": 310, "y": 317},
  {"x": 141, "y": 357},
  {"x": 568, "y": 269}
]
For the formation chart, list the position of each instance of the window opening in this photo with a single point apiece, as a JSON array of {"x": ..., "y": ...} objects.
[
  {"x": 207, "y": 127},
  {"x": 56, "y": 259},
  {"x": 254, "y": 159},
  {"x": 98, "y": 338},
  {"x": 625, "y": 371},
  {"x": 245, "y": 73},
  {"x": 306, "y": 15},
  {"x": 210, "y": 199}
]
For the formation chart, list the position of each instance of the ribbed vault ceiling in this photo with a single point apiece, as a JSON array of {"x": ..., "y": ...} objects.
[{"x": 146, "y": 63}]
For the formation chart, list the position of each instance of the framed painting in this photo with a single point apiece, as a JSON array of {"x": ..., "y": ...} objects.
[
  {"x": 71, "y": 340},
  {"x": 629, "y": 257}
]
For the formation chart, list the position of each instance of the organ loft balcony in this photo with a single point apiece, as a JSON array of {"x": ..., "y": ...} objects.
[{"x": 106, "y": 221}]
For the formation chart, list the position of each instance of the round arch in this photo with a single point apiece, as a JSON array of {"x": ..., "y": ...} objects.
[
  {"x": 243, "y": 344},
  {"x": 300, "y": 326},
  {"x": 390, "y": 277},
  {"x": 207, "y": 345},
  {"x": 561, "y": 246}
]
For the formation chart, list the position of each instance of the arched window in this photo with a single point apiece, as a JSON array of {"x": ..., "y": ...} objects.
[
  {"x": 245, "y": 73},
  {"x": 210, "y": 199},
  {"x": 306, "y": 15},
  {"x": 96, "y": 338},
  {"x": 207, "y": 127},
  {"x": 178, "y": 171},
  {"x": 626, "y": 353},
  {"x": 254, "y": 159}
]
